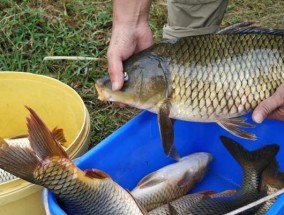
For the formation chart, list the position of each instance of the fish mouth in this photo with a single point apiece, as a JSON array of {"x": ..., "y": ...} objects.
[
  {"x": 102, "y": 95},
  {"x": 105, "y": 96}
]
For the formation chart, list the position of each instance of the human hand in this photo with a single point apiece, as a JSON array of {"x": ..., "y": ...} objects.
[
  {"x": 272, "y": 107},
  {"x": 130, "y": 34},
  {"x": 125, "y": 41}
]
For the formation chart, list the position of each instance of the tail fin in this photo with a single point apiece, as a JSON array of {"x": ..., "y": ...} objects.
[
  {"x": 257, "y": 159},
  {"x": 272, "y": 176},
  {"x": 41, "y": 139},
  {"x": 22, "y": 162}
]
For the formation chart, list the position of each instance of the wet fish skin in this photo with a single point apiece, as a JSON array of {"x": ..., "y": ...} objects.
[
  {"x": 207, "y": 78},
  {"x": 22, "y": 142},
  {"x": 252, "y": 163},
  {"x": 48, "y": 165},
  {"x": 225, "y": 193},
  {"x": 171, "y": 181},
  {"x": 181, "y": 204},
  {"x": 272, "y": 181}
]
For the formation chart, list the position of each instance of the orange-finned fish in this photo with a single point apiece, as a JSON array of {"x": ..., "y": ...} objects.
[
  {"x": 47, "y": 164},
  {"x": 23, "y": 141}
]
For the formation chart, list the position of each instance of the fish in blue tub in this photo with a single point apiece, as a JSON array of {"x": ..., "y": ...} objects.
[
  {"x": 171, "y": 181},
  {"x": 47, "y": 164},
  {"x": 253, "y": 164},
  {"x": 180, "y": 205}
]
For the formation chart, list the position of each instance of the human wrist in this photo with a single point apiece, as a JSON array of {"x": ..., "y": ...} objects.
[{"x": 132, "y": 13}]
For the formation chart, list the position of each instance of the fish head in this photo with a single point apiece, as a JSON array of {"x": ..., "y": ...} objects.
[
  {"x": 194, "y": 167},
  {"x": 202, "y": 159},
  {"x": 144, "y": 83}
]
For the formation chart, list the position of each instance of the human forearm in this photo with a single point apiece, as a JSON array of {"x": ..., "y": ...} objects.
[
  {"x": 130, "y": 33},
  {"x": 131, "y": 12}
]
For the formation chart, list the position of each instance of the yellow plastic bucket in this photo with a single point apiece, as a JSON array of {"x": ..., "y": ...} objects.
[{"x": 58, "y": 105}]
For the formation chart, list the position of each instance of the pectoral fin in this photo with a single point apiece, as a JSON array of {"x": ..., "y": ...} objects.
[
  {"x": 150, "y": 180},
  {"x": 233, "y": 125},
  {"x": 167, "y": 132},
  {"x": 96, "y": 173}
]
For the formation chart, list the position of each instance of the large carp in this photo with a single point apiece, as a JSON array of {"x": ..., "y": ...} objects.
[{"x": 207, "y": 78}]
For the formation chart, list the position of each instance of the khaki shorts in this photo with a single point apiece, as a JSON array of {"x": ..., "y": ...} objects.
[{"x": 193, "y": 17}]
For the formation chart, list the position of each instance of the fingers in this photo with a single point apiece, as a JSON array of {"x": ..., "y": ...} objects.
[
  {"x": 125, "y": 41},
  {"x": 122, "y": 46},
  {"x": 115, "y": 70},
  {"x": 277, "y": 114},
  {"x": 272, "y": 107}
]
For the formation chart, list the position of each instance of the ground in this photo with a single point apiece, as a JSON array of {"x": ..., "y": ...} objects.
[{"x": 31, "y": 30}]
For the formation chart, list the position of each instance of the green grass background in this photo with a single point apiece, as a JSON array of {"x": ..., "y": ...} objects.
[{"x": 31, "y": 30}]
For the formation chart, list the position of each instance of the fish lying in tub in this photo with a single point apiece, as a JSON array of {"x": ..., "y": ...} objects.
[
  {"x": 93, "y": 192},
  {"x": 171, "y": 181},
  {"x": 46, "y": 163},
  {"x": 253, "y": 163},
  {"x": 208, "y": 78},
  {"x": 181, "y": 204}
]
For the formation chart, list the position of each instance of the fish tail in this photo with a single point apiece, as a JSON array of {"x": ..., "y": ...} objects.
[
  {"x": 22, "y": 162},
  {"x": 18, "y": 161},
  {"x": 258, "y": 159},
  {"x": 271, "y": 170},
  {"x": 272, "y": 176},
  {"x": 42, "y": 140}
]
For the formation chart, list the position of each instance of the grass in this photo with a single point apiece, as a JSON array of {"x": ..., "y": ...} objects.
[{"x": 31, "y": 30}]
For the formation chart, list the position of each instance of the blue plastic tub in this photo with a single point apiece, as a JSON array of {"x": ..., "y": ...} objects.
[{"x": 135, "y": 150}]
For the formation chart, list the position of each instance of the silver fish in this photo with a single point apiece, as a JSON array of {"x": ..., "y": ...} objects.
[{"x": 172, "y": 181}]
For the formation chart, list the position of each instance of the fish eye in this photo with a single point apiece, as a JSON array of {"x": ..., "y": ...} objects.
[{"x": 125, "y": 76}]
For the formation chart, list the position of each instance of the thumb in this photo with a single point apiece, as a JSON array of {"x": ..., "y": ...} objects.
[{"x": 269, "y": 105}]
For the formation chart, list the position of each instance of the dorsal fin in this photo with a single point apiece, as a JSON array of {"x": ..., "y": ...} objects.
[
  {"x": 41, "y": 139},
  {"x": 235, "y": 26},
  {"x": 150, "y": 180},
  {"x": 252, "y": 29}
]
